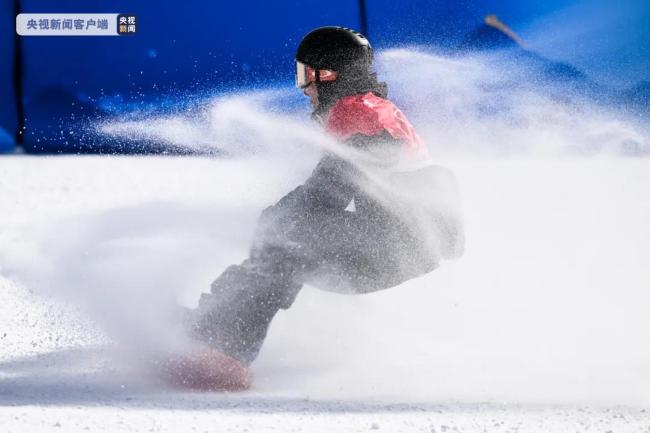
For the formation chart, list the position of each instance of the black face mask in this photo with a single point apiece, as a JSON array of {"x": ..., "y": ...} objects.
[{"x": 347, "y": 84}]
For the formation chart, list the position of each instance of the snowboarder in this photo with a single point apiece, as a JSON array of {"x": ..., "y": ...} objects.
[{"x": 337, "y": 231}]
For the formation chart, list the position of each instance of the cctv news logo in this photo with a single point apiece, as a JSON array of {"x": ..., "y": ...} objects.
[
  {"x": 76, "y": 24},
  {"x": 126, "y": 24}
]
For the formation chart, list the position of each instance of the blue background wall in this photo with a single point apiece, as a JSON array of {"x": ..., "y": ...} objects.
[
  {"x": 196, "y": 45},
  {"x": 8, "y": 123},
  {"x": 445, "y": 22}
]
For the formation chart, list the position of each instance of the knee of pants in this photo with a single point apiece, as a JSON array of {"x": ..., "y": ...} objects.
[{"x": 363, "y": 271}]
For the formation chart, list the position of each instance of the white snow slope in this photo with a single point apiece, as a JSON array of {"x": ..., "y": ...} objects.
[{"x": 542, "y": 325}]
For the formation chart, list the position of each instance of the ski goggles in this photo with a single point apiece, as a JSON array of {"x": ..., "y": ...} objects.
[{"x": 306, "y": 75}]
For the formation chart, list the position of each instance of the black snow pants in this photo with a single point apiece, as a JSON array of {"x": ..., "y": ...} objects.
[{"x": 327, "y": 233}]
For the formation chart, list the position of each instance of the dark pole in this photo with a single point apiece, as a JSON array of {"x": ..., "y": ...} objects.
[
  {"x": 363, "y": 18},
  {"x": 18, "y": 79}
]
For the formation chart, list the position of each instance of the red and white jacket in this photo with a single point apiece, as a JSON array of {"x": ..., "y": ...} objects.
[{"x": 370, "y": 115}]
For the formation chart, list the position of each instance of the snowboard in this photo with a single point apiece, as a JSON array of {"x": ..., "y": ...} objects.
[{"x": 204, "y": 369}]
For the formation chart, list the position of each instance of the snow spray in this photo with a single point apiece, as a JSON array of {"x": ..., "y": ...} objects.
[{"x": 544, "y": 306}]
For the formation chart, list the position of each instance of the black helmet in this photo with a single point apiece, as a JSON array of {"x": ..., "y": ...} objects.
[
  {"x": 336, "y": 49},
  {"x": 339, "y": 61}
]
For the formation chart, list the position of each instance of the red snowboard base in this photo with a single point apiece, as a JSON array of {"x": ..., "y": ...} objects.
[{"x": 205, "y": 369}]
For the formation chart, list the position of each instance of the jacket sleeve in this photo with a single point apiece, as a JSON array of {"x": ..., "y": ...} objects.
[
  {"x": 334, "y": 182},
  {"x": 331, "y": 186},
  {"x": 329, "y": 189}
]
